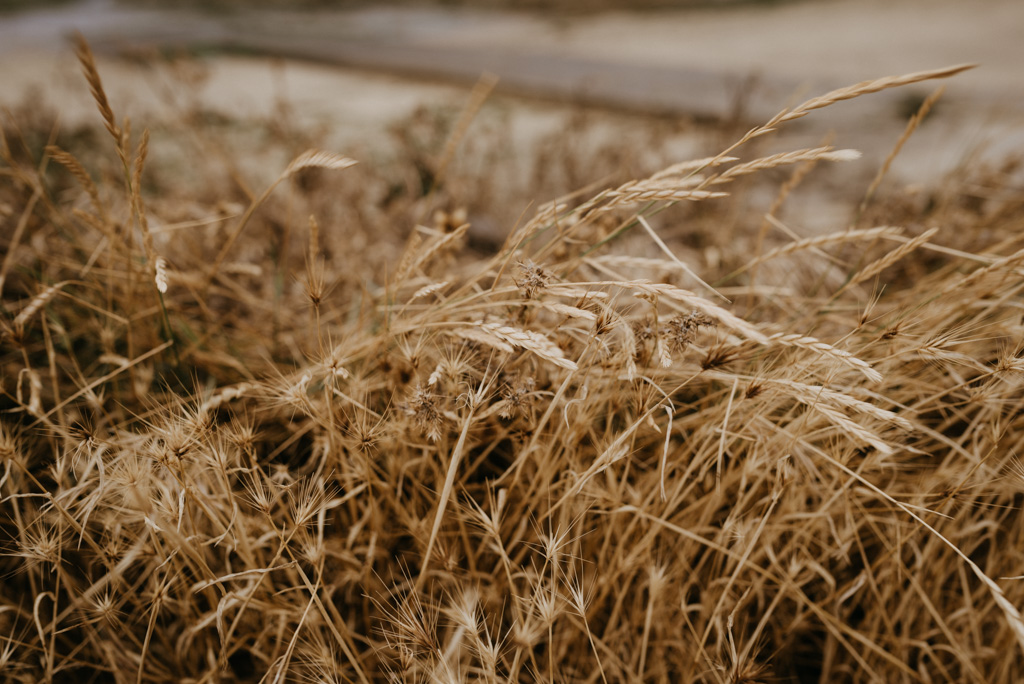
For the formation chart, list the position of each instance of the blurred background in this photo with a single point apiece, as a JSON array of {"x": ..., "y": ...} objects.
[{"x": 587, "y": 89}]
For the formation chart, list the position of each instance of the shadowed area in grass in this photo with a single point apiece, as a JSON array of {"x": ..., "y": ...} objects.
[{"x": 448, "y": 406}]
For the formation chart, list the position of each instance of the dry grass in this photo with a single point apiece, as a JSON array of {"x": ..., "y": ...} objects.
[{"x": 244, "y": 444}]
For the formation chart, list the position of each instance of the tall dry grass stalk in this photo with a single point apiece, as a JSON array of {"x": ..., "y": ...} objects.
[{"x": 553, "y": 462}]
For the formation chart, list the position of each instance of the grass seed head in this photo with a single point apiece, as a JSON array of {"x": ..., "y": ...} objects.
[{"x": 544, "y": 418}]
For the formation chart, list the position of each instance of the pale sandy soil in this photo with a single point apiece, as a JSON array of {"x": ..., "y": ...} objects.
[
  {"x": 809, "y": 43},
  {"x": 349, "y": 110},
  {"x": 356, "y": 103}
]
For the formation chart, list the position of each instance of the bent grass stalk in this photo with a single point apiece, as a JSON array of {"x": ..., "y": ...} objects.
[{"x": 514, "y": 463}]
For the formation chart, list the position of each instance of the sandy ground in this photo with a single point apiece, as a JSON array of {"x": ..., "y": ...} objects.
[
  {"x": 784, "y": 47},
  {"x": 356, "y": 103},
  {"x": 814, "y": 44}
]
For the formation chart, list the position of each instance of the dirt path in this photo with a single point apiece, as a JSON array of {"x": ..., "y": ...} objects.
[{"x": 702, "y": 62}]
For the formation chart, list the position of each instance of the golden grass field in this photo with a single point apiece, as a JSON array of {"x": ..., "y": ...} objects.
[{"x": 319, "y": 430}]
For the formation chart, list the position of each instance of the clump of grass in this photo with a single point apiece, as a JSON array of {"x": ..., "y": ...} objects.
[{"x": 227, "y": 457}]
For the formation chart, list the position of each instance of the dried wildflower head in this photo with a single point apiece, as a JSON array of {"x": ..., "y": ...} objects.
[
  {"x": 411, "y": 629},
  {"x": 259, "y": 491},
  {"x": 197, "y": 419},
  {"x": 644, "y": 329},
  {"x": 532, "y": 278},
  {"x": 719, "y": 355},
  {"x": 604, "y": 322},
  {"x": 317, "y": 660},
  {"x": 1011, "y": 360},
  {"x": 311, "y": 546},
  {"x": 753, "y": 390},
  {"x": 446, "y": 556},
  {"x": 10, "y": 448},
  {"x": 308, "y": 499},
  {"x": 579, "y": 595},
  {"x": 490, "y": 520},
  {"x": 423, "y": 408},
  {"x": 517, "y": 397},
  {"x": 242, "y": 432},
  {"x": 464, "y": 609},
  {"x": 133, "y": 477},
  {"x": 365, "y": 434},
  {"x": 174, "y": 441},
  {"x": 315, "y": 286},
  {"x": 331, "y": 365},
  {"x": 103, "y": 606},
  {"x": 681, "y": 330},
  {"x": 548, "y": 607},
  {"x": 457, "y": 361},
  {"x": 84, "y": 437},
  {"x": 294, "y": 395},
  {"x": 40, "y": 544}
]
